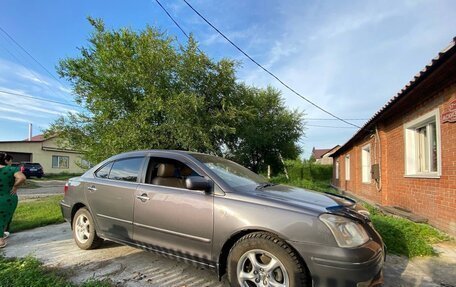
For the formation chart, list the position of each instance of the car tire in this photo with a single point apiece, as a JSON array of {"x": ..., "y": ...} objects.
[
  {"x": 84, "y": 232},
  {"x": 284, "y": 267}
]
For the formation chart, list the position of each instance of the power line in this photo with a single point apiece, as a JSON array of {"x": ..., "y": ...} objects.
[
  {"x": 263, "y": 68},
  {"x": 318, "y": 126},
  {"x": 30, "y": 55},
  {"x": 36, "y": 98},
  {"x": 328, "y": 119}
]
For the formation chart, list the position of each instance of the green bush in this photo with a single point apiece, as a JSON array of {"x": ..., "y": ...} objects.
[{"x": 299, "y": 170}]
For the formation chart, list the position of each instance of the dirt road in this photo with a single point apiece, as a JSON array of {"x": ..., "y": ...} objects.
[
  {"x": 127, "y": 266},
  {"x": 46, "y": 188}
]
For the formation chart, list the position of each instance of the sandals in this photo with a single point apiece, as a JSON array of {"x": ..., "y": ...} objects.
[
  {"x": 6, "y": 234},
  {"x": 2, "y": 243}
]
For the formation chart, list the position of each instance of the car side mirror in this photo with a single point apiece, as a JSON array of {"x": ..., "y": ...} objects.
[{"x": 198, "y": 183}]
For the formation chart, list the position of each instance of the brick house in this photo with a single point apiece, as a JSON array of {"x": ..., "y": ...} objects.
[{"x": 405, "y": 155}]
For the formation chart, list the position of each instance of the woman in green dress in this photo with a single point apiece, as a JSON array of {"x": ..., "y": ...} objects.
[{"x": 10, "y": 179}]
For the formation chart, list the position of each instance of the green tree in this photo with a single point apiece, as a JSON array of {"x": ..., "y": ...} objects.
[
  {"x": 142, "y": 90},
  {"x": 266, "y": 131}
]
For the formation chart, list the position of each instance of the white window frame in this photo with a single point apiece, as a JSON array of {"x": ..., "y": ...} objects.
[
  {"x": 366, "y": 164},
  {"x": 411, "y": 157},
  {"x": 347, "y": 167},
  {"x": 337, "y": 169}
]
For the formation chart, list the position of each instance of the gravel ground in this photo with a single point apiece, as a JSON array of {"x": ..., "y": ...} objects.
[{"x": 127, "y": 266}]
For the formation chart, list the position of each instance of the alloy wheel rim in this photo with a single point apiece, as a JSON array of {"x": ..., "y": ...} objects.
[
  {"x": 260, "y": 268},
  {"x": 82, "y": 228}
]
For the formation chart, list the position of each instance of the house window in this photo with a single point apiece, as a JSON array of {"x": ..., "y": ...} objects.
[
  {"x": 60, "y": 161},
  {"x": 337, "y": 169},
  {"x": 422, "y": 146},
  {"x": 347, "y": 167},
  {"x": 366, "y": 163}
]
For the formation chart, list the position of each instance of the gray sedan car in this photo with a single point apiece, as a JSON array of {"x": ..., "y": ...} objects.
[{"x": 213, "y": 212}]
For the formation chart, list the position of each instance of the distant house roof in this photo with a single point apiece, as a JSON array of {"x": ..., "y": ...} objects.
[
  {"x": 402, "y": 95},
  {"x": 319, "y": 153},
  {"x": 37, "y": 138}
]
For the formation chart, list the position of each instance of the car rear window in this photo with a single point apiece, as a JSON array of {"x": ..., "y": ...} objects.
[{"x": 34, "y": 165}]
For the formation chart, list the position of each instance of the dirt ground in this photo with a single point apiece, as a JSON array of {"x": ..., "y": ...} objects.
[{"x": 126, "y": 266}]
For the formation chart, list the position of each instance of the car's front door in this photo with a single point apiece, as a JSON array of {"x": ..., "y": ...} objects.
[
  {"x": 111, "y": 195},
  {"x": 168, "y": 217}
]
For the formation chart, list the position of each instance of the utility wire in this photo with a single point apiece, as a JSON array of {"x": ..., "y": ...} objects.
[
  {"x": 332, "y": 119},
  {"x": 318, "y": 126},
  {"x": 36, "y": 98},
  {"x": 30, "y": 55},
  {"x": 263, "y": 68}
]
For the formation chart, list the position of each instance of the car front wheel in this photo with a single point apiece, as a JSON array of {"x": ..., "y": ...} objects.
[
  {"x": 84, "y": 232},
  {"x": 261, "y": 259}
]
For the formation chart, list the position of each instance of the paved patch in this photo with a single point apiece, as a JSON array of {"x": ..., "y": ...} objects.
[{"x": 127, "y": 266}]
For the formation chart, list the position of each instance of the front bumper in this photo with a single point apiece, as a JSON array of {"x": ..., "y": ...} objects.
[{"x": 335, "y": 266}]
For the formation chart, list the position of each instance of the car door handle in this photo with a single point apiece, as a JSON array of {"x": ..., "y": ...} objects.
[
  {"x": 143, "y": 197},
  {"x": 92, "y": 188}
]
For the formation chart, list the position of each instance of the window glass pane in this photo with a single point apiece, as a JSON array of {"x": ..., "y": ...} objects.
[
  {"x": 104, "y": 171},
  {"x": 347, "y": 167},
  {"x": 126, "y": 170},
  {"x": 55, "y": 161},
  {"x": 423, "y": 149},
  {"x": 63, "y": 162},
  {"x": 337, "y": 169},
  {"x": 366, "y": 164},
  {"x": 433, "y": 146}
]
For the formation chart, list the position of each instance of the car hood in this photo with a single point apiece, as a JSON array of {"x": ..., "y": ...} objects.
[{"x": 303, "y": 198}]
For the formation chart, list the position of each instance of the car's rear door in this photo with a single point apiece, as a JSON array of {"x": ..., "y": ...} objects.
[
  {"x": 174, "y": 220},
  {"x": 111, "y": 196}
]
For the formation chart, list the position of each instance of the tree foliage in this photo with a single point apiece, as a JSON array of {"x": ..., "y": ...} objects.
[{"x": 142, "y": 90}]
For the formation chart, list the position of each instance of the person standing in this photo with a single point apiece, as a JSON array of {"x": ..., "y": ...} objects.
[
  {"x": 10, "y": 179},
  {"x": 9, "y": 162}
]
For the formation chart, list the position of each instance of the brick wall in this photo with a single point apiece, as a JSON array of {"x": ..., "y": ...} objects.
[{"x": 434, "y": 198}]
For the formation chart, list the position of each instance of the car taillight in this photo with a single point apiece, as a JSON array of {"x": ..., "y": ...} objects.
[{"x": 65, "y": 188}]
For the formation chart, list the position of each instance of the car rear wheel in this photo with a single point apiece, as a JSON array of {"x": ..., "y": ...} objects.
[
  {"x": 260, "y": 259},
  {"x": 84, "y": 232}
]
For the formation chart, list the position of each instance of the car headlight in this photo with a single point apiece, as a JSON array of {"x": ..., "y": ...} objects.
[{"x": 347, "y": 232}]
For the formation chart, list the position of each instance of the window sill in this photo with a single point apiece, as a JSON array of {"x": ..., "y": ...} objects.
[{"x": 423, "y": 175}]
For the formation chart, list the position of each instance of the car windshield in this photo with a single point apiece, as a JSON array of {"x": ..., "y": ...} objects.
[{"x": 233, "y": 174}]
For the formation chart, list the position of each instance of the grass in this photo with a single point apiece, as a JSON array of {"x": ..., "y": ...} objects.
[
  {"x": 37, "y": 212},
  {"x": 401, "y": 236},
  {"x": 29, "y": 272},
  {"x": 405, "y": 237},
  {"x": 58, "y": 176}
]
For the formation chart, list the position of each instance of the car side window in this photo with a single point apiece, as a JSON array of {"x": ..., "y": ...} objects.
[
  {"x": 104, "y": 171},
  {"x": 168, "y": 172},
  {"x": 126, "y": 169}
]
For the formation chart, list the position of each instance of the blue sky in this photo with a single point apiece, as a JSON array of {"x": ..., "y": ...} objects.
[{"x": 350, "y": 57}]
